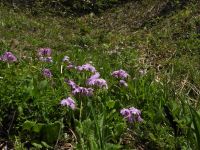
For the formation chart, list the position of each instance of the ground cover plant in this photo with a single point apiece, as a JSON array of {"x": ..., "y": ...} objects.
[{"x": 91, "y": 82}]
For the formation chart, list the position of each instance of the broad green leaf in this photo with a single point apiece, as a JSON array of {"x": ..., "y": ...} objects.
[
  {"x": 50, "y": 132},
  {"x": 28, "y": 125},
  {"x": 37, "y": 127},
  {"x": 43, "y": 84}
]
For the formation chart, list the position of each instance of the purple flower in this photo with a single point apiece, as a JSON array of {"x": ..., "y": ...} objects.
[
  {"x": 95, "y": 76},
  {"x": 120, "y": 74},
  {"x": 98, "y": 82},
  {"x": 88, "y": 91},
  {"x": 131, "y": 114},
  {"x": 94, "y": 80},
  {"x": 78, "y": 89},
  {"x": 82, "y": 91},
  {"x": 122, "y": 82},
  {"x": 135, "y": 111},
  {"x": 45, "y": 55},
  {"x": 86, "y": 67},
  {"x": 47, "y": 73},
  {"x": 8, "y": 57},
  {"x": 71, "y": 83},
  {"x": 44, "y": 52},
  {"x": 68, "y": 102},
  {"x": 127, "y": 114}
]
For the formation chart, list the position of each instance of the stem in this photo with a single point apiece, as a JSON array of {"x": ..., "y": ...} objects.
[
  {"x": 58, "y": 135},
  {"x": 8, "y": 65},
  {"x": 61, "y": 69},
  {"x": 81, "y": 108},
  {"x": 11, "y": 123}
]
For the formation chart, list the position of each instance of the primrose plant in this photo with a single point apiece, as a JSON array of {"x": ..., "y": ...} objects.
[
  {"x": 86, "y": 95},
  {"x": 45, "y": 54}
]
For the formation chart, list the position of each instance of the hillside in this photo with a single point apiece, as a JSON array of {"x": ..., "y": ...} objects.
[{"x": 156, "y": 42}]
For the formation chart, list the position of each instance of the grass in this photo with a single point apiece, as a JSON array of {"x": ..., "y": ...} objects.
[{"x": 166, "y": 47}]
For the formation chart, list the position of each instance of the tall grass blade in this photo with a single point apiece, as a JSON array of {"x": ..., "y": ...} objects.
[{"x": 196, "y": 122}]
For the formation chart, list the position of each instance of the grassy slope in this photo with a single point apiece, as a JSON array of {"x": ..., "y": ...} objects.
[
  {"x": 169, "y": 44},
  {"x": 128, "y": 37}
]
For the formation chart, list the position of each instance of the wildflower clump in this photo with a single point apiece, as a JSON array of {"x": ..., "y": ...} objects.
[
  {"x": 76, "y": 89},
  {"x": 45, "y": 54},
  {"x": 122, "y": 82},
  {"x": 8, "y": 57},
  {"x": 86, "y": 67},
  {"x": 122, "y": 75},
  {"x": 94, "y": 80},
  {"x": 47, "y": 73},
  {"x": 131, "y": 114},
  {"x": 68, "y": 102}
]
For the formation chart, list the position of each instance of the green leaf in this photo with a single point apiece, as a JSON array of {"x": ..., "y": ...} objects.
[
  {"x": 50, "y": 132},
  {"x": 43, "y": 84},
  {"x": 196, "y": 123},
  {"x": 28, "y": 125},
  {"x": 110, "y": 146},
  {"x": 37, "y": 128},
  {"x": 36, "y": 145},
  {"x": 152, "y": 136},
  {"x": 110, "y": 104},
  {"x": 46, "y": 145},
  {"x": 20, "y": 109}
]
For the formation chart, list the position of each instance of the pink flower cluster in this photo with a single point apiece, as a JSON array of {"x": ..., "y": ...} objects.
[
  {"x": 121, "y": 74},
  {"x": 79, "y": 90},
  {"x": 8, "y": 57},
  {"x": 131, "y": 114},
  {"x": 45, "y": 55},
  {"x": 86, "y": 67},
  {"x": 94, "y": 80},
  {"x": 47, "y": 73},
  {"x": 68, "y": 102},
  {"x": 44, "y": 52}
]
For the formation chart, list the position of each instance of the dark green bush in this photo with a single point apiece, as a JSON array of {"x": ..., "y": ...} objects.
[{"x": 77, "y": 6}]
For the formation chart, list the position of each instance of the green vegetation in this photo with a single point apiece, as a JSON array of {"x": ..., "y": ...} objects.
[
  {"x": 64, "y": 6},
  {"x": 156, "y": 42}
]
